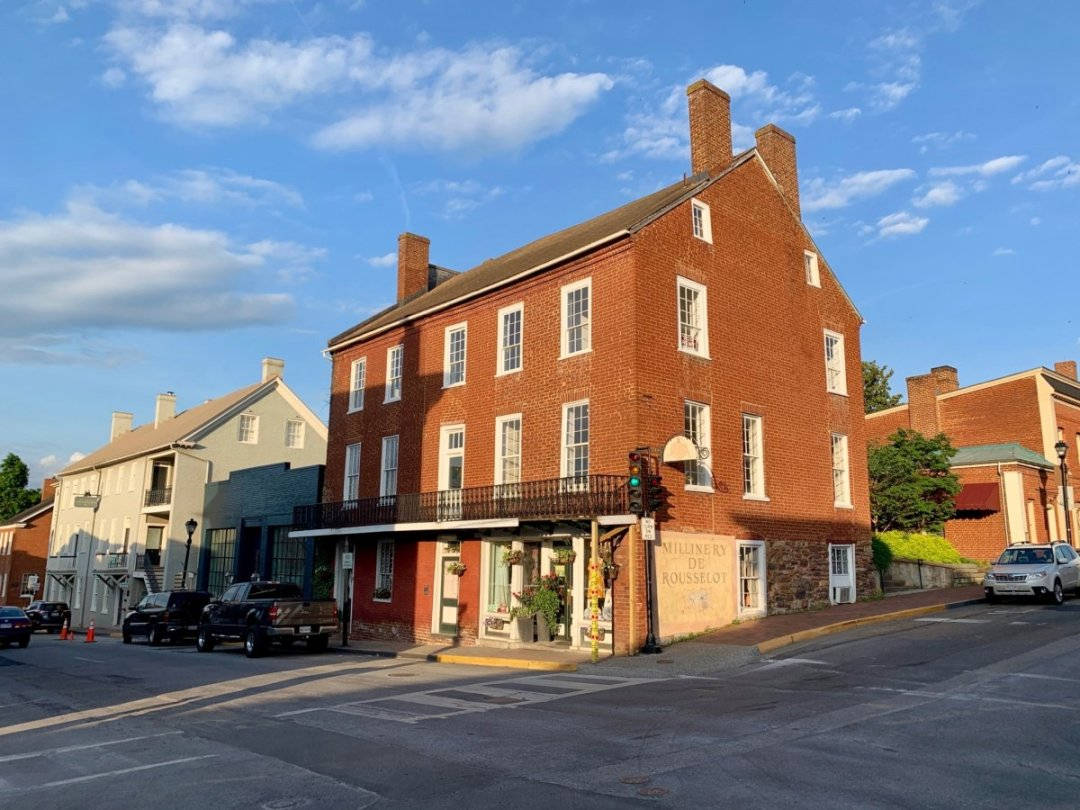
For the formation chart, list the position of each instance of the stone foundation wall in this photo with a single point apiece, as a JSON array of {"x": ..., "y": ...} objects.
[{"x": 798, "y": 574}]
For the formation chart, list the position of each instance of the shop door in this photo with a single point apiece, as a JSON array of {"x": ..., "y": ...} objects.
[
  {"x": 448, "y": 598},
  {"x": 841, "y": 578}
]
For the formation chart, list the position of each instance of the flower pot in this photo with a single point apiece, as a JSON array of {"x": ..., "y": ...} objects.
[{"x": 543, "y": 632}]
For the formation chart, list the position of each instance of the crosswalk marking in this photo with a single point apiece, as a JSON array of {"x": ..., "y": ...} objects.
[{"x": 952, "y": 621}]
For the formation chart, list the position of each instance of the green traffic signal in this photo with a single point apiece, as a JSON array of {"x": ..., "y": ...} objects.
[{"x": 635, "y": 481}]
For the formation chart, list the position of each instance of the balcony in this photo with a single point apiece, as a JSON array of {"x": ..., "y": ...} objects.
[
  {"x": 158, "y": 497},
  {"x": 550, "y": 499},
  {"x": 61, "y": 562},
  {"x": 112, "y": 561}
]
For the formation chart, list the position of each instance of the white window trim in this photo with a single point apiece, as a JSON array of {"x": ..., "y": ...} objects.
[
  {"x": 845, "y": 502},
  {"x": 706, "y": 434},
  {"x": 755, "y": 496},
  {"x": 706, "y": 220},
  {"x": 764, "y": 594},
  {"x": 444, "y": 454},
  {"x": 563, "y": 455},
  {"x": 378, "y": 566},
  {"x": 300, "y": 436},
  {"x": 345, "y": 477},
  {"x": 400, "y": 347},
  {"x": 564, "y": 329},
  {"x": 851, "y": 568},
  {"x": 254, "y": 429},
  {"x": 811, "y": 268},
  {"x": 462, "y": 327},
  {"x": 499, "y": 422},
  {"x": 703, "y": 299},
  {"x": 840, "y": 390},
  {"x": 383, "y": 469},
  {"x": 519, "y": 307},
  {"x": 353, "y": 390}
]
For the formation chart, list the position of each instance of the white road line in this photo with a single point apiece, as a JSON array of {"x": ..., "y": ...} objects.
[
  {"x": 1044, "y": 677},
  {"x": 967, "y": 696},
  {"x": 77, "y": 779},
  {"x": 790, "y": 662},
  {"x": 68, "y": 748},
  {"x": 90, "y": 660},
  {"x": 953, "y": 621}
]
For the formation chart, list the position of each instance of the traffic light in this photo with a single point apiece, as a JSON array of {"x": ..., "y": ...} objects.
[
  {"x": 655, "y": 494},
  {"x": 635, "y": 488}
]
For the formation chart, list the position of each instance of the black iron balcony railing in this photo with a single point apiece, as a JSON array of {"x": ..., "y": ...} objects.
[
  {"x": 158, "y": 497},
  {"x": 564, "y": 498}
]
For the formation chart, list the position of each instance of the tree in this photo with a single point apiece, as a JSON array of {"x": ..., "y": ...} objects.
[
  {"x": 877, "y": 395},
  {"x": 911, "y": 487},
  {"x": 14, "y": 496}
]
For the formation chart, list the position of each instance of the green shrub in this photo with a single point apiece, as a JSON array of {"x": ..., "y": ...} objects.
[
  {"x": 882, "y": 553},
  {"x": 932, "y": 548}
]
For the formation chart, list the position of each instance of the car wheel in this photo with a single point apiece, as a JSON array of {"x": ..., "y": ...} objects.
[
  {"x": 204, "y": 642},
  {"x": 253, "y": 643},
  {"x": 157, "y": 635},
  {"x": 318, "y": 644},
  {"x": 1057, "y": 596},
  {"x": 991, "y": 597},
  {"x": 126, "y": 637},
  {"x": 50, "y": 630},
  {"x": 24, "y": 642}
]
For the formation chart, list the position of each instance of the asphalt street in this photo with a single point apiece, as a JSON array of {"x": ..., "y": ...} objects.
[{"x": 971, "y": 707}]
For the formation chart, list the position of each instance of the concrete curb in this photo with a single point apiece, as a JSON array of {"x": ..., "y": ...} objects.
[
  {"x": 838, "y": 627},
  {"x": 466, "y": 660}
]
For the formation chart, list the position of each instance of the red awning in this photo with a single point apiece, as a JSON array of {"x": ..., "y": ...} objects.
[{"x": 978, "y": 498}]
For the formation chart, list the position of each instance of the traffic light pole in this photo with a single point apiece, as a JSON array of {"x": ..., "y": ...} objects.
[{"x": 640, "y": 481}]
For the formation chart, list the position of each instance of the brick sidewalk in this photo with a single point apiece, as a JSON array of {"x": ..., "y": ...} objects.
[{"x": 756, "y": 631}]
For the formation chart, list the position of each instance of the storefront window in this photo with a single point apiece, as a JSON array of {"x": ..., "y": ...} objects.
[{"x": 499, "y": 579}]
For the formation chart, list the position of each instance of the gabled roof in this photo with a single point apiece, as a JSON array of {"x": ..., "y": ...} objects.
[
  {"x": 147, "y": 438},
  {"x": 27, "y": 514},
  {"x": 1010, "y": 452}
]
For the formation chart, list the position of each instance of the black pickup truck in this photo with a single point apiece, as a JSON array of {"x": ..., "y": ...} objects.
[{"x": 260, "y": 613}]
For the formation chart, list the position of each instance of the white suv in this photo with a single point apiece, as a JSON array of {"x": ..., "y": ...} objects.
[{"x": 1047, "y": 569}]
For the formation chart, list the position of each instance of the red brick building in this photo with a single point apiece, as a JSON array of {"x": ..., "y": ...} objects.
[
  {"x": 24, "y": 547},
  {"x": 1005, "y": 432},
  {"x": 484, "y": 420}
]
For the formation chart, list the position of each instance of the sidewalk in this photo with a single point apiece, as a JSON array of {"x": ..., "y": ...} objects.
[{"x": 537, "y": 658}]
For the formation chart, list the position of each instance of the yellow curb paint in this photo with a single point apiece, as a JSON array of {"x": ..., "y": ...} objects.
[
  {"x": 509, "y": 663},
  {"x": 805, "y": 635}
]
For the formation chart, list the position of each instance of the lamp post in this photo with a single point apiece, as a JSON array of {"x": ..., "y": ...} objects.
[
  {"x": 1062, "y": 451},
  {"x": 191, "y": 525}
]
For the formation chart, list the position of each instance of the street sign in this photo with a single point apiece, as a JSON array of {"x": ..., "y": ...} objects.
[
  {"x": 648, "y": 529},
  {"x": 90, "y": 501},
  {"x": 347, "y": 560}
]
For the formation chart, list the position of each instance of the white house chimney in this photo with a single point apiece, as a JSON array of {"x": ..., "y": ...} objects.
[
  {"x": 121, "y": 424},
  {"x": 272, "y": 367},
  {"x": 164, "y": 407}
]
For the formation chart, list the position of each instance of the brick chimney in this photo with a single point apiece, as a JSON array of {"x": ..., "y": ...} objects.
[
  {"x": 923, "y": 391},
  {"x": 1066, "y": 368},
  {"x": 710, "y": 127},
  {"x": 412, "y": 265},
  {"x": 164, "y": 407},
  {"x": 272, "y": 367},
  {"x": 945, "y": 379},
  {"x": 777, "y": 149},
  {"x": 48, "y": 488},
  {"x": 121, "y": 424}
]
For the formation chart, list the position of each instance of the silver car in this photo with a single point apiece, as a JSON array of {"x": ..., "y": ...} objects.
[{"x": 1046, "y": 570}]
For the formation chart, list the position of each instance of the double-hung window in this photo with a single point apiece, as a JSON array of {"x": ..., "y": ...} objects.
[
  {"x": 357, "y": 378},
  {"x": 394, "y": 359},
  {"x": 384, "y": 571},
  {"x": 810, "y": 264},
  {"x": 294, "y": 433},
  {"x": 702, "y": 220},
  {"x": 388, "y": 473},
  {"x": 840, "y": 471},
  {"x": 248, "y": 429},
  {"x": 693, "y": 317},
  {"x": 352, "y": 472},
  {"x": 510, "y": 338},
  {"x": 507, "y": 453},
  {"x": 753, "y": 458},
  {"x": 454, "y": 355},
  {"x": 835, "y": 373},
  {"x": 696, "y": 429},
  {"x": 577, "y": 318},
  {"x": 575, "y": 441}
]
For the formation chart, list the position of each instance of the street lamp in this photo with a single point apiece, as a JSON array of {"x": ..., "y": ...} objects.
[
  {"x": 191, "y": 525},
  {"x": 1062, "y": 451}
]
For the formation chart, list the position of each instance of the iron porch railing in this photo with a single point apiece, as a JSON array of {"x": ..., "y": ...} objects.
[
  {"x": 112, "y": 560},
  {"x": 158, "y": 497},
  {"x": 552, "y": 498}
]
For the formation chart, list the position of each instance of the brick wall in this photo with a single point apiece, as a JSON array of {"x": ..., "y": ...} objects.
[
  {"x": 880, "y": 426},
  {"x": 29, "y": 550}
]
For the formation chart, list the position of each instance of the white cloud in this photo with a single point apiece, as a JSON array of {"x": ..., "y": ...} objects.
[
  {"x": 76, "y": 456},
  {"x": 847, "y": 116},
  {"x": 945, "y": 193},
  {"x": 210, "y": 186},
  {"x": 89, "y": 270},
  {"x": 1036, "y": 221},
  {"x": 113, "y": 77},
  {"x": 363, "y": 197},
  {"x": 819, "y": 194},
  {"x": 1057, "y": 172},
  {"x": 940, "y": 140},
  {"x": 386, "y": 260},
  {"x": 477, "y": 98},
  {"x": 896, "y": 61},
  {"x": 1004, "y": 251},
  {"x": 987, "y": 169},
  {"x": 461, "y": 196},
  {"x": 186, "y": 9},
  {"x": 294, "y": 261},
  {"x": 900, "y": 224}
]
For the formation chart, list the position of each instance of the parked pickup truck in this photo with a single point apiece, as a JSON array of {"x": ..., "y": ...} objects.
[{"x": 260, "y": 613}]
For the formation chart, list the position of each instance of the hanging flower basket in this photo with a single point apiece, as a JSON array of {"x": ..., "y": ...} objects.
[
  {"x": 382, "y": 593},
  {"x": 515, "y": 557},
  {"x": 565, "y": 556},
  {"x": 457, "y": 568},
  {"x": 494, "y": 623}
]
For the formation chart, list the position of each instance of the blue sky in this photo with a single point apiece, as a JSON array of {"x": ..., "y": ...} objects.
[{"x": 189, "y": 185}]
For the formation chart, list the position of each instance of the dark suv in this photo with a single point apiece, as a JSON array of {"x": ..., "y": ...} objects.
[
  {"x": 48, "y": 616},
  {"x": 171, "y": 615}
]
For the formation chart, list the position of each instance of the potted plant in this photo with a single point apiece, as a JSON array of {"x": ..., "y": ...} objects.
[
  {"x": 382, "y": 593},
  {"x": 565, "y": 556},
  {"x": 457, "y": 567},
  {"x": 513, "y": 557},
  {"x": 544, "y": 599},
  {"x": 494, "y": 623}
]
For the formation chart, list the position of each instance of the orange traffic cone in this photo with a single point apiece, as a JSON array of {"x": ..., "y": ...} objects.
[
  {"x": 90, "y": 632},
  {"x": 64, "y": 631}
]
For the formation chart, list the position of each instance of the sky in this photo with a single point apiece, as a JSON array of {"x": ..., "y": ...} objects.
[{"x": 187, "y": 186}]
